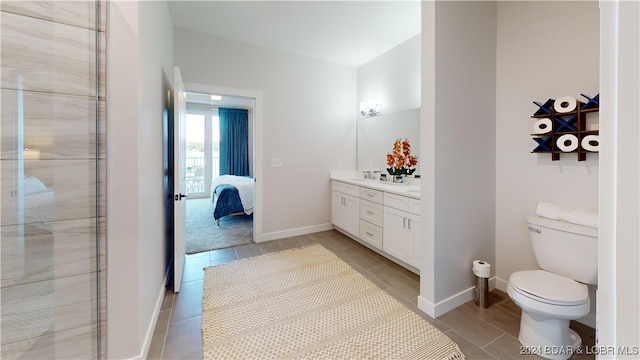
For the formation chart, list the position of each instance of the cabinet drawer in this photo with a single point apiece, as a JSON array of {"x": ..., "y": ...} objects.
[
  {"x": 371, "y": 195},
  {"x": 371, "y": 234},
  {"x": 371, "y": 212},
  {"x": 414, "y": 206},
  {"x": 346, "y": 188},
  {"x": 396, "y": 201}
]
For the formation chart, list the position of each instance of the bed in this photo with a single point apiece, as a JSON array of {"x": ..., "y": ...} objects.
[{"x": 231, "y": 195}]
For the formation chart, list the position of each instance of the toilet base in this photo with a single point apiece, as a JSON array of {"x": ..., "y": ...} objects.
[{"x": 550, "y": 338}]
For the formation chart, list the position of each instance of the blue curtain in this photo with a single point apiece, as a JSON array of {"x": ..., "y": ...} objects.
[{"x": 234, "y": 141}]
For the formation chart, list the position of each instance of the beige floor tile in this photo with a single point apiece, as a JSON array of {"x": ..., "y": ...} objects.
[
  {"x": 248, "y": 250},
  {"x": 496, "y": 316},
  {"x": 469, "y": 349},
  {"x": 409, "y": 288},
  {"x": 481, "y": 333},
  {"x": 508, "y": 347},
  {"x": 290, "y": 243},
  {"x": 471, "y": 327},
  {"x": 188, "y": 302},
  {"x": 269, "y": 247}
]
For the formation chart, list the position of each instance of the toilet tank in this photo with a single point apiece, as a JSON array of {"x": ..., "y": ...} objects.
[{"x": 564, "y": 248}]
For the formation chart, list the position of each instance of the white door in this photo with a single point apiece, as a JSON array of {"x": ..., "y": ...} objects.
[{"x": 179, "y": 178}]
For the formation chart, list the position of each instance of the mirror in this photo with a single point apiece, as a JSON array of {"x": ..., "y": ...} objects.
[{"x": 377, "y": 134}]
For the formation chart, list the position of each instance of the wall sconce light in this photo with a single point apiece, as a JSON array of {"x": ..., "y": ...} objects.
[{"x": 370, "y": 108}]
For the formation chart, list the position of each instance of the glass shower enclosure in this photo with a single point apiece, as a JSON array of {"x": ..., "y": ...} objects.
[{"x": 52, "y": 176}]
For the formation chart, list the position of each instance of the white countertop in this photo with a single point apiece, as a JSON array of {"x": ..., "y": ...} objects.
[{"x": 410, "y": 189}]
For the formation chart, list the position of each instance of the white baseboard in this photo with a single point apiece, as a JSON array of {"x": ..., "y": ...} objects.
[
  {"x": 501, "y": 284},
  {"x": 154, "y": 321},
  {"x": 450, "y": 303},
  {"x": 295, "y": 232}
]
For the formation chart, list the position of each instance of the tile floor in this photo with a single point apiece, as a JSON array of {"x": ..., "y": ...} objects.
[{"x": 481, "y": 333}]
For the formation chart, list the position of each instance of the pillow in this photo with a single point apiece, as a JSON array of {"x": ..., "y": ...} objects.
[{"x": 33, "y": 185}]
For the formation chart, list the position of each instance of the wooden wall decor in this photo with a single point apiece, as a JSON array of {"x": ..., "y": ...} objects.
[{"x": 560, "y": 127}]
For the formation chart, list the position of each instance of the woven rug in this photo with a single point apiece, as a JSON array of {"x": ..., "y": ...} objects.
[{"x": 307, "y": 303}]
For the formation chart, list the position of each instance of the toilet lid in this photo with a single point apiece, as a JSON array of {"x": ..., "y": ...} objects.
[{"x": 550, "y": 288}]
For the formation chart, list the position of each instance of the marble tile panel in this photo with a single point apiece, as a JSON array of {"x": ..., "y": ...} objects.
[
  {"x": 102, "y": 65},
  {"x": 39, "y": 309},
  {"x": 54, "y": 190},
  {"x": 51, "y": 126},
  {"x": 31, "y": 254},
  {"x": 40, "y": 55},
  {"x": 76, "y": 13},
  {"x": 78, "y": 343}
]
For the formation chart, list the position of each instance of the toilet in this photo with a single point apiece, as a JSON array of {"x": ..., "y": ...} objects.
[{"x": 567, "y": 255}]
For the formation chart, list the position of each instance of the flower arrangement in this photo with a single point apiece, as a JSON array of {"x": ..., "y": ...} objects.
[{"x": 400, "y": 160}]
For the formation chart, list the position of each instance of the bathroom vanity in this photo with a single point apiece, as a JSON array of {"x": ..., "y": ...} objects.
[{"x": 383, "y": 216}]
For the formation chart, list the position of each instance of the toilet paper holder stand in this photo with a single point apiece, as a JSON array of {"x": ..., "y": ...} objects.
[{"x": 481, "y": 270}]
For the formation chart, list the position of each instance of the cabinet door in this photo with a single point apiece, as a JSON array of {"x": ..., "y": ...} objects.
[
  {"x": 345, "y": 212},
  {"x": 395, "y": 233},
  {"x": 415, "y": 242}
]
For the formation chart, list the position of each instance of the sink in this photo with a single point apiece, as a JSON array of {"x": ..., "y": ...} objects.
[{"x": 358, "y": 179}]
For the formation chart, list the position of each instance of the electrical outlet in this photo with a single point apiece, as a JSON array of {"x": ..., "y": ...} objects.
[{"x": 276, "y": 162}]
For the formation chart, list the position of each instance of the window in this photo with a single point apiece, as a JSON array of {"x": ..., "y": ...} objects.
[{"x": 202, "y": 151}]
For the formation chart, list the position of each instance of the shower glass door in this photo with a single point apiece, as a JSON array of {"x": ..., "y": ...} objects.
[{"x": 52, "y": 180}]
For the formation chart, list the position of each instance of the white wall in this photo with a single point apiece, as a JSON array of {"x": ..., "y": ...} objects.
[
  {"x": 619, "y": 270},
  {"x": 458, "y": 148},
  {"x": 393, "y": 78},
  {"x": 122, "y": 171},
  {"x": 136, "y": 238},
  {"x": 538, "y": 60},
  {"x": 309, "y": 117}
]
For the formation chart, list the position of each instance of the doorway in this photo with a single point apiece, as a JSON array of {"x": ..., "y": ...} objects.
[{"x": 204, "y": 232}]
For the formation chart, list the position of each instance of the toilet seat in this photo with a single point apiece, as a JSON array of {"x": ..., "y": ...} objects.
[{"x": 549, "y": 288}]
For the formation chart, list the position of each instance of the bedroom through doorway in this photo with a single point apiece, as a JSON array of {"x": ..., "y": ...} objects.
[{"x": 219, "y": 136}]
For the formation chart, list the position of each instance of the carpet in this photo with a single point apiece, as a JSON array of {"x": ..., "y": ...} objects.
[
  {"x": 307, "y": 303},
  {"x": 203, "y": 234}
]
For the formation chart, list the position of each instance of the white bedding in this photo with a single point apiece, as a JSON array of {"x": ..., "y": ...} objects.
[{"x": 244, "y": 186}]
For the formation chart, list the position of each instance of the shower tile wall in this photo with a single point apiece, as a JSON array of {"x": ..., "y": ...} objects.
[{"x": 52, "y": 172}]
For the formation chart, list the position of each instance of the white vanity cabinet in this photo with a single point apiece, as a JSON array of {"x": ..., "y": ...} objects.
[
  {"x": 380, "y": 217},
  {"x": 371, "y": 217},
  {"x": 345, "y": 207},
  {"x": 401, "y": 228}
]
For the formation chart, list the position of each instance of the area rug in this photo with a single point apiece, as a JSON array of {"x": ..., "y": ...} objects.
[
  {"x": 203, "y": 234},
  {"x": 307, "y": 303}
]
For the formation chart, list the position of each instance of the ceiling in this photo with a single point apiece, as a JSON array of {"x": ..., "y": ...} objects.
[
  {"x": 206, "y": 101},
  {"x": 344, "y": 32}
]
